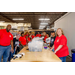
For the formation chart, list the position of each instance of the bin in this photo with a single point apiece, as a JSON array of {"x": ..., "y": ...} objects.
[{"x": 73, "y": 55}]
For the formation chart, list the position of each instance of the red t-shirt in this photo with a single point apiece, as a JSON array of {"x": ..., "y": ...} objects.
[
  {"x": 26, "y": 35},
  {"x": 33, "y": 36},
  {"x": 29, "y": 39},
  {"x": 22, "y": 40},
  {"x": 45, "y": 38},
  {"x": 62, "y": 40},
  {"x": 38, "y": 35},
  {"x": 5, "y": 37}
]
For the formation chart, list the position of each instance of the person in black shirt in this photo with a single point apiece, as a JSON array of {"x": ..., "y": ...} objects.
[
  {"x": 52, "y": 39},
  {"x": 16, "y": 47},
  {"x": 16, "y": 43}
]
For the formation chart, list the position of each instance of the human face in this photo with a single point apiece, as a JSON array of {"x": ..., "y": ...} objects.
[
  {"x": 47, "y": 35},
  {"x": 22, "y": 35},
  {"x": 19, "y": 32},
  {"x": 38, "y": 32},
  {"x": 17, "y": 37},
  {"x": 8, "y": 28},
  {"x": 59, "y": 32},
  {"x": 52, "y": 34},
  {"x": 44, "y": 33}
]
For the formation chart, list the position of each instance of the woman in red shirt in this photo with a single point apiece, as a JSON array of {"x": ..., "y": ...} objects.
[
  {"x": 22, "y": 41},
  {"x": 26, "y": 34},
  {"x": 33, "y": 35},
  {"x": 60, "y": 45}
]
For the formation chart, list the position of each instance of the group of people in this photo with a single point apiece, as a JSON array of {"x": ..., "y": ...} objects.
[{"x": 10, "y": 45}]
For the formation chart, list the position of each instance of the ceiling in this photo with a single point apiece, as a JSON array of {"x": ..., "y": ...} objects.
[{"x": 31, "y": 17}]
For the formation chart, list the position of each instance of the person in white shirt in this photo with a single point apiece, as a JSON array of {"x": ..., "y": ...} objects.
[{"x": 48, "y": 40}]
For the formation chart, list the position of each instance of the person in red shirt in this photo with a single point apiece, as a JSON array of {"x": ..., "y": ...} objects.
[
  {"x": 38, "y": 35},
  {"x": 22, "y": 41},
  {"x": 27, "y": 34},
  {"x": 33, "y": 35},
  {"x": 60, "y": 45},
  {"x": 29, "y": 38},
  {"x": 45, "y": 36},
  {"x": 6, "y": 43}
]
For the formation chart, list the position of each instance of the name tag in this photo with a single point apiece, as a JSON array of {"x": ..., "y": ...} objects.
[
  {"x": 52, "y": 39},
  {"x": 9, "y": 35},
  {"x": 58, "y": 40}
]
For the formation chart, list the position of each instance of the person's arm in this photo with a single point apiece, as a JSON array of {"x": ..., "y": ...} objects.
[
  {"x": 21, "y": 43},
  {"x": 52, "y": 47},
  {"x": 49, "y": 45},
  {"x": 12, "y": 48},
  {"x": 62, "y": 43},
  {"x": 59, "y": 47}
]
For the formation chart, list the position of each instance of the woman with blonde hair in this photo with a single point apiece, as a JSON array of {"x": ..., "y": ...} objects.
[
  {"x": 60, "y": 45},
  {"x": 33, "y": 35}
]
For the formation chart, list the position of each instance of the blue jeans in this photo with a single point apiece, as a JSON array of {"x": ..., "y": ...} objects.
[
  {"x": 4, "y": 51},
  {"x": 63, "y": 59},
  {"x": 53, "y": 50},
  {"x": 11, "y": 55}
]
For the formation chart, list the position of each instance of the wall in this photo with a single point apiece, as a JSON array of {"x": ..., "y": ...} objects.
[{"x": 67, "y": 23}]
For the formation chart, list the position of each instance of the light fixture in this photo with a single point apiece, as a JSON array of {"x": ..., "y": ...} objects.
[
  {"x": 2, "y": 21},
  {"x": 44, "y": 19},
  {"x": 43, "y": 23},
  {"x": 18, "y": 19},
  {"x": 41, "y": 27}
]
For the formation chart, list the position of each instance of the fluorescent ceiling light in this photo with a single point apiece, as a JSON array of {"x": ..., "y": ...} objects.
[
  {"x": 44, "y": 19},
  {"x": 41, "y": 19},
  {"x": 47, "y": 19},
  {"x": 18, "y": 19},
  {"x": 41, "y": 27},
  {"x": 44, "y": 23}
]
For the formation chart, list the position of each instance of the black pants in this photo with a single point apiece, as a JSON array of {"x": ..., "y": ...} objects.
[{"x": 17, "y": 50}]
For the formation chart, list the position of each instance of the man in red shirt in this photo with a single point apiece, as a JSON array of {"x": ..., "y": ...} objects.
[
  {"x": 6, "y": 38},
  {"x": 38, "y": 35},
  {"x": 22, "y": 41}
]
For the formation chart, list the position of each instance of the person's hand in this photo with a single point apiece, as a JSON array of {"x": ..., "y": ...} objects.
[
  {"x": 55, "y": 51},
  {"x": 12, "y": 50},
  {"x": 50, "y": 47}
]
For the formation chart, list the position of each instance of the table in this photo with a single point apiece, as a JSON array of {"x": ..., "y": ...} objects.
[{"x": 44, "y": 56}]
